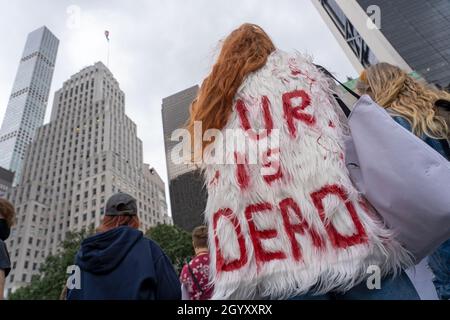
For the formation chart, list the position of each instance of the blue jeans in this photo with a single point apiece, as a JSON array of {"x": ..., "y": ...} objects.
[
  {"x": 439, "y": 263},
  {"x": 398, "y": 288}
]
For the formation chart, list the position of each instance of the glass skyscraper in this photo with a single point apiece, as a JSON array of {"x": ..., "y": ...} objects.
[
  {"x": 28, "y": 101},
  {"x": 188, "y": 194},
  {"x": 413, "y": 34},
  {"x": 420, "y": 31}
]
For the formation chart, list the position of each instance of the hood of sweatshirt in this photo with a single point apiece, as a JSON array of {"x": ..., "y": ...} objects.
[{"x": 103, "y": 252}]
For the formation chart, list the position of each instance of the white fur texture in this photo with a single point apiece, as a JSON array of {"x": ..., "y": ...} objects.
[{"x": 307, "y": 166}]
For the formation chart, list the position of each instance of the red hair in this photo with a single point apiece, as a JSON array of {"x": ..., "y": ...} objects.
[
  {"x": 244, "y": 51},
  {"x": 7, "y": 211},
  {"x": 111, "y": 222}
]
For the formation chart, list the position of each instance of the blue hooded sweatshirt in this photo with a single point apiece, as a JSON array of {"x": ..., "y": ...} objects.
[{"x": 122, "y": 264}]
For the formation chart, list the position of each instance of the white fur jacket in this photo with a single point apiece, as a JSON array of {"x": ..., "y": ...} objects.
[{"x": 284, "y": 218}]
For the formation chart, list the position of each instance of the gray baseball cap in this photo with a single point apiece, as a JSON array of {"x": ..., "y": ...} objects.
[{"x": 121, "y": 204}]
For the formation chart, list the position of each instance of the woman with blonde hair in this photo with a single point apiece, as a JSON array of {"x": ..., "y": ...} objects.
[
  {"x": 286, "y": 223},
  {"x": 412, "y": 104},
  {"x": 417, "y": 107}
]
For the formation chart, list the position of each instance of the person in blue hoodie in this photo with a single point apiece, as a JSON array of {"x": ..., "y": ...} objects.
[{"x": 119, "y": 263}]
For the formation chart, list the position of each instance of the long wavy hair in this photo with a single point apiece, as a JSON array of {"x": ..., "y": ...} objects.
[
  {"x": 394, "y": 89},
  {"x": 244, "y": 51}
]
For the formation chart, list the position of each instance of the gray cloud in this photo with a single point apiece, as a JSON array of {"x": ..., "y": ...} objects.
[{"x": 158, "y": 47}]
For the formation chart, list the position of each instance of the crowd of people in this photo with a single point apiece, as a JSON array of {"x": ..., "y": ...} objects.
[{"x": 301, "y": 231}]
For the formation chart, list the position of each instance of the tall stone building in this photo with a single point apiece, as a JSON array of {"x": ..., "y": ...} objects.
[
  {"x": 6, "y": 180},
  {"x": 87, "y": 152},
  {"x": 28, "y": 101}
]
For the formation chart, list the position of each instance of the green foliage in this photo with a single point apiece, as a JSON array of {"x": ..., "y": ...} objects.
[
  {"x": 49, "y": 284},
  {"x": 175, "y": 242}
]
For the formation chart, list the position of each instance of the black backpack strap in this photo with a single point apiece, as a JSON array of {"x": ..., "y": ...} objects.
[
  {"x": 194, "y": 278},
  {"x": 329, "y": 74},
  {"x": 341, "y": 103},
  {"x": 446, "y": 148},
  {"x": 343, "y": 106}
]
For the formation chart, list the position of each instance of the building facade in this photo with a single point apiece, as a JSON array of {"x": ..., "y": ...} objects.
[
  {"x": 87, "y": 152},
  {"x": 6, "y": 180},
  {"x": 412, "y": 34},
  {"x": 28, "y": 101},
  {"x": 175, "y": 114},
  {"x": 187, "y": 192}
]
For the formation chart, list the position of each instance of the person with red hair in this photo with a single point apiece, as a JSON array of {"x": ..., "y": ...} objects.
[
  {"x": 284, "y": 220},
  {"x": 119, "y": 263}
]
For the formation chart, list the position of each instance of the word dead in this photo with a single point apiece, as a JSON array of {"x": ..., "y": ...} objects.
[{"x": 286, "y": 208}]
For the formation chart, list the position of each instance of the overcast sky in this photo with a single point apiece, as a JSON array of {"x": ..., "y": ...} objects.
[{"x": 158, "y": 47}]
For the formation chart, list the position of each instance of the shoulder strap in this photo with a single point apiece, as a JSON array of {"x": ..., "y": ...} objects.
[
  {"x": 341, "y": 103},
  {"x": 194, "y": 278},
  {"x": 329, "y": 74},
  {"x": 446, "y": 147},
  {"x": 343, "y": 106}
]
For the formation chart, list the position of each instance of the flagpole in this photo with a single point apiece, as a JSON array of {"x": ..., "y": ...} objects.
[
  {"x": 107, "y": 39},
  {"x": 107, "y": 60}
]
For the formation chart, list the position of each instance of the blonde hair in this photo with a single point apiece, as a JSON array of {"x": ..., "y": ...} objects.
[{"x": 394, "y": 89}]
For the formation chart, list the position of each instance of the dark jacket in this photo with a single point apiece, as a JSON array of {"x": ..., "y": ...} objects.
[
  {"x": 123, "y": 264},
  {"x": 440, "y": 146},
  {"x": 5, "y": 262}
]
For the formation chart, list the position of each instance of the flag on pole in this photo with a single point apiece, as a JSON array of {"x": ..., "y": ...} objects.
[{"x": 107, "y": 35}]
